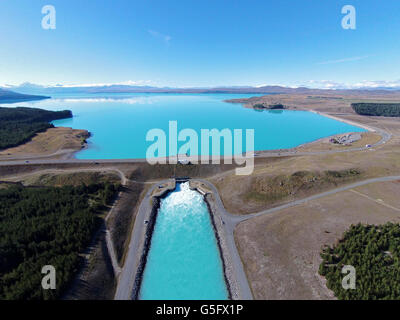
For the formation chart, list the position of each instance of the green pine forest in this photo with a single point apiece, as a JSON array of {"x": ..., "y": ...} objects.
[
  {"x": 377, "y": 109},
  {"x": 19, "y": 125},
  {"x": 46, "y": 226},
  {"x": 374, "y": 252}
]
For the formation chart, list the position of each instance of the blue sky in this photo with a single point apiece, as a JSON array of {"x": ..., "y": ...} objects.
[{"x": 200, "y": 43}]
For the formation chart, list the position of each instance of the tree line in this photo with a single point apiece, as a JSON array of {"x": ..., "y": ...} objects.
[
  {"x": 19, "y": 125},
  {"x": 46, "y": 226},
  {"x": 377, "y": 109}
]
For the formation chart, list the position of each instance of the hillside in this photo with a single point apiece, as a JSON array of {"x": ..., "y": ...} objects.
[
  {"x": 19, "y": 125},
  {"x": 7, "y": 96}
]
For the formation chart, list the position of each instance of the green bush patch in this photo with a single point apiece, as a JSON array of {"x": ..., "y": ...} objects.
[{"x": 374, "y": 252}]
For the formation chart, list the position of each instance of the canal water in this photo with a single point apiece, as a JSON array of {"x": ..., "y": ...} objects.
[{"x": 184, "y": 261}]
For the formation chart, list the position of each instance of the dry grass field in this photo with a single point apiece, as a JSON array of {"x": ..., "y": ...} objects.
[
  {"x": 280, "y": 251},
  {"x": 248, "y": 198},
  {"x": 54, "y": 141}
]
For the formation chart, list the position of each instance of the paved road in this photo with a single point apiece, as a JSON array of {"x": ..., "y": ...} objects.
[
  {"x": 230, "y": 222},
  {"x": 71, "y": 170},
  {"x": 127, "y": 276},
  {"x": 67, "y": 161}
]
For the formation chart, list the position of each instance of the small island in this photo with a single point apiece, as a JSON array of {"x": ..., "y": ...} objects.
[{"x": 262, "y": 106}]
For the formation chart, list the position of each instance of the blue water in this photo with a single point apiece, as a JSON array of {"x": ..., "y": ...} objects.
[
  {"x": 184, "y": 261},
  {"x": 119, "y": 122}
]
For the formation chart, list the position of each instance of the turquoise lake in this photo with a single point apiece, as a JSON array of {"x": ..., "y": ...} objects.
[
  {"x": 119, "y": 122},
  {"x": 184, "y": 261}
]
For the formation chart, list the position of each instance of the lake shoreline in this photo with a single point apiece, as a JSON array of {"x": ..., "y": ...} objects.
[
  {"x": 72, "y": 154},
  {"x": 292, "y": 150}
]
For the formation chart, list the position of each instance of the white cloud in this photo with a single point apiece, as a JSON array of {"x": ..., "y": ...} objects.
[
  {"x": 376, "y": 84},
  {"x": 343, "y": 60},
  {"x": 323, "y": 84},
  {"x": 77, "y": 85},
  {"x": 141, "y": 100},
  {"x": 123, "y": 83},
  {"x": 166, "y": 38},
  {"x": 365, "y": 84}
]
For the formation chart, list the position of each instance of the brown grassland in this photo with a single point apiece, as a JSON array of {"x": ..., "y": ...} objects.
[
  {"x": 281, "y": 251},
  {"x": 54, "y": 142}
]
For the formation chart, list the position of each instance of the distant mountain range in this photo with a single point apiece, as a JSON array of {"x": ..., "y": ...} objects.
[
  {"x": 7, "y": 96},
  {"x": 33, "y": 89}
]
